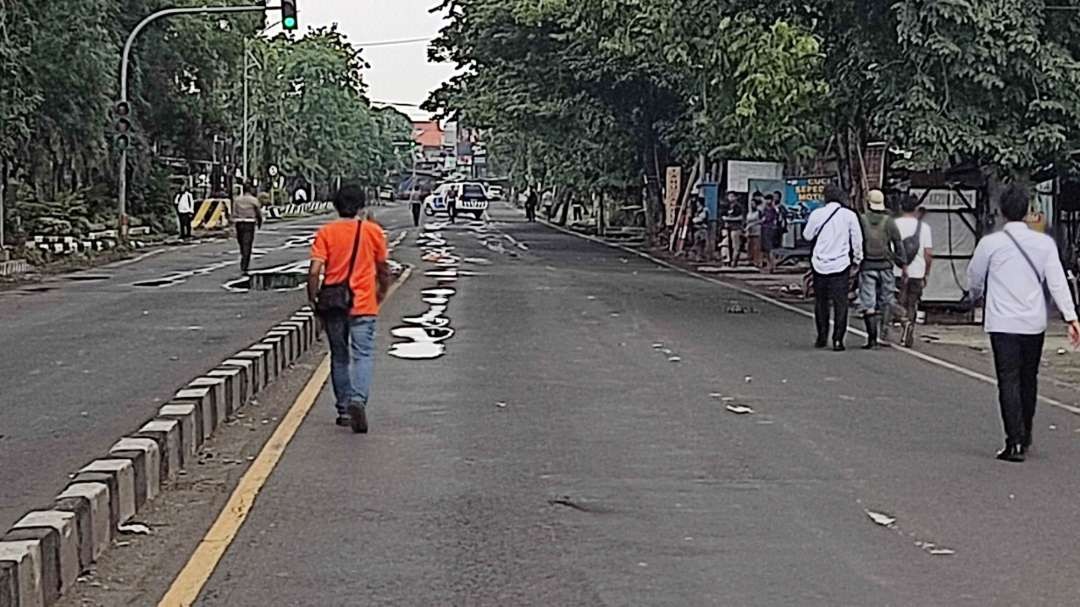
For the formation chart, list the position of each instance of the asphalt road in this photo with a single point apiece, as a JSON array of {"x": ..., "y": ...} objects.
[
  {"x": 574, "y": 447},
  {"x": 86, "y": 358}
]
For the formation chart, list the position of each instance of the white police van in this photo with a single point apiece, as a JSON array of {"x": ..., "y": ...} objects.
[{"x": 472, "y": 199}]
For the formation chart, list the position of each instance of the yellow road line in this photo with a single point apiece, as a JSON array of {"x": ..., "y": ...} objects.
[{"x": 189, "y": 583}]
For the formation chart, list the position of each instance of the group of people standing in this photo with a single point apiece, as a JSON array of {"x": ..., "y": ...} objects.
[{"x": 1016, "y": 272}]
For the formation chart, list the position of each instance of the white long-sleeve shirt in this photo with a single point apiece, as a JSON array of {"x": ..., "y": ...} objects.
[
  {"x": 839, "y": 240},
  {"x": 1015, "y": 302},
  {"x": 185, "y": 203}
]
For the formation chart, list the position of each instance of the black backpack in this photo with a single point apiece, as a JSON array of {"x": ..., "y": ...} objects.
[{"x": 912, "y": 245}]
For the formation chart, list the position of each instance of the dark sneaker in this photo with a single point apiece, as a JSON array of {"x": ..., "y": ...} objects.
[
  {"x": 358, "y": 419},
  {"x": 343, "y": 420}
]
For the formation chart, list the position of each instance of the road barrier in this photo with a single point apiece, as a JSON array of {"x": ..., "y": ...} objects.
[
  {"x": 94, "y": 241},
  {"x": 43, "y": 555},
  {"x": 211, "y": 213}
]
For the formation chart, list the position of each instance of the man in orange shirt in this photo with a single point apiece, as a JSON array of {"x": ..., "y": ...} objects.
[{"x": 359, "y": 246}]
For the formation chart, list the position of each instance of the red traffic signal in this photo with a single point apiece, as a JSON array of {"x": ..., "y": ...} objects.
[{"x": 288, "y": 15}]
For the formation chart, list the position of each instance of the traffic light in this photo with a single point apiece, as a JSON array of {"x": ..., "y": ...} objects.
[
  {"x": 122, "y": 124},
  {"x": 288, "y": 15}
]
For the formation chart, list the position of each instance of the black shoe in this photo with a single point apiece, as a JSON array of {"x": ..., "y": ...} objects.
[
  {"x": 839, "y": 347},
  {"x": 358, "y": 419},
  {"x": 343, "y": 420},
  {"x": 1011, "y": 453},
  {"x": 870, "y": 345},
  {"x": 821, "y": 344}
]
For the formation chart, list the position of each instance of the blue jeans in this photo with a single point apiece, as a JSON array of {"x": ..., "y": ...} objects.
[
  {"x": 876, "y": 291},
  {"x": 352, "y": 358}
]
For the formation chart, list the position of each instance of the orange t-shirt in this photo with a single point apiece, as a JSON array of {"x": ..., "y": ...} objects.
[{"x": 333, "y": 246}]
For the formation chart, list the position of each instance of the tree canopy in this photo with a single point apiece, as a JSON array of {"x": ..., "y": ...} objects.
[{"x": 59, "y": 63}]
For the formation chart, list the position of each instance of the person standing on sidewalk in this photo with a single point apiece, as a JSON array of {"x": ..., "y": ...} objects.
[
  {"x": 247, "y": 216},
  {"x": 837, "y": 237},
  {"x": 882, "y": 250},
  {"x": 919, "y": 256},
  {"x": 1018, "y": 271},
  {"x": 347, "y": 281},
  {"x": 531, "y": 201},
  {"x": 185, "y": 210}
]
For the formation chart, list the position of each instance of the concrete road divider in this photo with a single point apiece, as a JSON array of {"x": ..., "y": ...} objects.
[
  {"x": 166, "y": 433},
  {"x": 120, "y": 477},
  {"x": 20, "y": 563},
  {"x": 57, "y": 530},
  {"x": 205, "y": 403},
  {"x": 189, "y": 418},
  {"x": 45, "y": 552},
  {"x": 146, "y": 458},
  {"x": 90, "y": 504}
]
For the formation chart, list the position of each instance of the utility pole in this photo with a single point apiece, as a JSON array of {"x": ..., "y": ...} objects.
[
  {"x": 247, "y": 117},
  {"x": 125, "y": 63}
]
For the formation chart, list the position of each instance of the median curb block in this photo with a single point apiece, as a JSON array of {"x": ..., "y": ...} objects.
[
  {"x": 236, "y": 392},
  {"x": 166, "y": 433},
  {"x": 220, "y": 396},
  {"x": 203, "y": 399},
  {"x": 273, "y": 362},
  {"x": 144, "y": 450},
  {"x": 42, "y": 555},
  {"x": 62, "y": 528},
  {"x": 123, "y": 474},
  {"x": 261, "y": 370},
  {"x": 96, "y": 528},
  {"x": 24, "y": 570},
  {"x": 189, "y": 419}
]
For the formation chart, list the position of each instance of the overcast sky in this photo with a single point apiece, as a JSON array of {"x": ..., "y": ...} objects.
[{"x": 398, "y": 74}]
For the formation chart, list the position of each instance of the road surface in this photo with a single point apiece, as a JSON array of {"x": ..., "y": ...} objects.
[
  {"x": 87, "y": 357},
  {"x": 603, "y": 431}
]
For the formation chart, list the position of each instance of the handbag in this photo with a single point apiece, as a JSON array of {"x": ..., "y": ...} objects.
[{"x": 337, "y": 299}]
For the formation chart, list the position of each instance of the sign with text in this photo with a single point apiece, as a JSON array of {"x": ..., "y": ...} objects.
[
  {"x": 672, "y": 191},
  {"x": 804, "y": 194}
]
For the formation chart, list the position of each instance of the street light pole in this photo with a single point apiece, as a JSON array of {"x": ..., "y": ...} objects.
[
  {"x": 124, "y": 63},
  {"x": 247, "y": 64}
]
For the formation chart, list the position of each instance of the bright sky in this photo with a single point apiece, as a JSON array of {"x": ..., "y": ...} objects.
[{"x": 399, "y": 74}]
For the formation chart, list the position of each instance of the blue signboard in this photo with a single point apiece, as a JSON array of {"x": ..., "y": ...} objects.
[{"x": 711, "y": 193}]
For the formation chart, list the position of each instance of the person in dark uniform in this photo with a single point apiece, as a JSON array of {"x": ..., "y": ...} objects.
[
  {"x": 415, "y": 206},
  {"x": 531, "y": 203}
]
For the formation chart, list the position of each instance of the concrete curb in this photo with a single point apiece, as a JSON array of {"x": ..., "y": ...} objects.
[{"x": 44, "y": 553}]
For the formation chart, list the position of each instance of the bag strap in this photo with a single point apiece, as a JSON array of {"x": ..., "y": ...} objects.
[
  {"x": 355, "y": 248},
  {"x": 838, "y": 209},
  {"x": 1027, "y": 258}
]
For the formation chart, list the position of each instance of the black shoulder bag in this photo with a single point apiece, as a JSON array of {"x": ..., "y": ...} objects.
[{"x": 337, "y": 299}]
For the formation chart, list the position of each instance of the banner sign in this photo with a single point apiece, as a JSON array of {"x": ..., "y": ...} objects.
[{"x": 672, "y": 191}]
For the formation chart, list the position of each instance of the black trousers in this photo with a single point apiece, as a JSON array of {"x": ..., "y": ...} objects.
[
  {"x": 245, "y": 237},
  {"x": 530, "y": 212},
  {"x": 415, "y": 214},
  {"x": 831, "y": 291},
  {"x": 185, "y": 224},
  {"x": 1016, "y": 359},
  {"x": 451, "y": 210}
]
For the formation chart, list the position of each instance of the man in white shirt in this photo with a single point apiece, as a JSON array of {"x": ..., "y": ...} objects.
[
  {"x": 913, "y": 231},
  {"x": 185, "y": 210},
  {"x": 838, "y": 245},
  {"x": 1017, "y": 269}
]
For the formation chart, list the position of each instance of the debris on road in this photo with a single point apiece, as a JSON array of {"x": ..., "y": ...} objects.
[
  {"x": 675, "y": 359},
  {"x": 500, "y": 405},
  {"x": 749, "y": 378},
  {"x": 740, "y": 409},
  {"x": 134, "y": 529},
  {"x": 881, "y": 519}
]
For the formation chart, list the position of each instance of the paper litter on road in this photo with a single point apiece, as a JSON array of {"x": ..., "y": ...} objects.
[
  {"x": 727, "y": 399},
  {"x": 715, "y": 395},
  {"x": 740, "y": 409},
  {"x": 500, "y": 405},
  {"x": 657, "y": 346},
  {"x": 881, "y": 519},
  {"x": 134, "y": 529},
  {"x": 675, "y": 359},
  {"x": 749, "y": 378}
]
